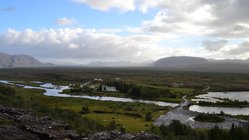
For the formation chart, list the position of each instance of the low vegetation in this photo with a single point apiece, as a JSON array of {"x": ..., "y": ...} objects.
[
  {"x": 225, "y": 103},
  {"x": 193, "y": 80},
  {"x": 83, "y": 114},
  {"x": 129, "y": 90},
  {"x": 209, "y": 118},
  {"x": 178, "y": 131},
  {"x": 89, "y": 116}
]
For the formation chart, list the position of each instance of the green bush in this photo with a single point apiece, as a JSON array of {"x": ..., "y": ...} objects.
[
  {"x": 85, "y": 110},
  {"x": 148, "y": 116},
  {"x": 209, "y": 118},
  {"x": 5, "y": 90}
]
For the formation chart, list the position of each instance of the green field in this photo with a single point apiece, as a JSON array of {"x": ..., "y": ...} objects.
[
  {"x": 71, "y": 75},
  {"x": 125, "y": 114}
]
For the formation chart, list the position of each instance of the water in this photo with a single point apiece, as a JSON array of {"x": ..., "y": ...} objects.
[
  {"x": 217, "y": 96},
  {"x": 217, "y": 110},
  {"x": 54, "y": 90},
  {"x": 220, "y": 96}
]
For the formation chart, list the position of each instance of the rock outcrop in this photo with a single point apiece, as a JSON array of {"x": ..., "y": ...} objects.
[
  {"x": 24, "y": 124},
  {"x": 117, "y": 135}
]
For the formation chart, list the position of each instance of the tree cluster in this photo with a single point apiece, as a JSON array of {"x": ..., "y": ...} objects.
[{"x": 139, "y": 91}]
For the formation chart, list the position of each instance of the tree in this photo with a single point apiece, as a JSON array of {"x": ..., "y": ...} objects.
[
  {"x": 217, "y": 134},
  {"x": 112, "y": 125},
  {"x": 135, "y": 91},
  {"x": 84, "y": 110},
  {"x": 7, "y": 90},
  {"x": 148, "y": 116},
  {"x": 122, "y": 129}
]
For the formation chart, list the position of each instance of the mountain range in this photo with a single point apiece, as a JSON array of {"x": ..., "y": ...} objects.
[
  {"x": 118, "y": 64},
  {"x": 176, "y": 63},
  {"x": 11, "y": 61},
  {"x": 184, "y": 63}
]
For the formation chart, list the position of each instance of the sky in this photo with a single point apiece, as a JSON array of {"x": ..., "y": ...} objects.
[{"x": 82, "y": 31}]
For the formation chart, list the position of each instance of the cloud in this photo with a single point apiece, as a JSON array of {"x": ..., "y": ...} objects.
[
  {"x": 105, "y": 5},
  {"x": 214, "y": 45},
  {"x": 65, "y": 21},
  {"x": 225, "y": 19},
  {"x": 8, "y": 9},
  {"x": 80, "y": 45},
  {"x": 240, "y": 49}
]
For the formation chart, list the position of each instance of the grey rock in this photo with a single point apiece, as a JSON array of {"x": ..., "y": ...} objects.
[
  {"x": 8, "y": 132},
  {"x": 24, "y": 122},
  {"x": 117, "y": 135}
]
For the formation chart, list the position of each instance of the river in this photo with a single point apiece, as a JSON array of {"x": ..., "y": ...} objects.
[{"x": 56, "y": 91}]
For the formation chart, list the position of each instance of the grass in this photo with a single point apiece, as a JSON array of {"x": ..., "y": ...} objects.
[
  {"x": 131, "y": 124},
  {"x": 26, "y": 83},
  {"x": 119, "y": 111}
]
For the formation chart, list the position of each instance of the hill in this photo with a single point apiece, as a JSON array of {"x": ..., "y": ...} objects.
[
  {"x": 11, "y": 61},
  {"x": 179, "y": 61},
  {"x": 185, "y": 63}
]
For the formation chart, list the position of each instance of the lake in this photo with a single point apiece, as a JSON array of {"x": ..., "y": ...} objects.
[
  {"x": 218, "y": 96},
  {"x": 217, "y": 110}
]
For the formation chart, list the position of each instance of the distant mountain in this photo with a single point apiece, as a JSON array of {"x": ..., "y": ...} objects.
[
  {"x": 185, "y": 63},
  {"x": 10, "y": 61},
  {"x": 179, "y": 61},
  {"x": 117, "y": 64},
  {"x": 239, "y": 61}
]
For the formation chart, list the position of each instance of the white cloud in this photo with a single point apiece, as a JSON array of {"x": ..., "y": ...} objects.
[
  {"x": 105, "y": 5},
  {"x": 65, "y": 21},
  {"x": 73, "y": 46},
  {"x": 226, "y": 19},
  {"x": 240, "y": 49},
  {"x": 80, "y": 45},
  {"x": 214, "y": 45},
  {"x": 77, "y": 44}
]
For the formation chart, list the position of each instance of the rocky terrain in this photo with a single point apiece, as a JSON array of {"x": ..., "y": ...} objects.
[{"x": 24, "y": 124}]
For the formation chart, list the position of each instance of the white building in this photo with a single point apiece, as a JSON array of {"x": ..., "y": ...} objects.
[{"x": 109, "y": 88}]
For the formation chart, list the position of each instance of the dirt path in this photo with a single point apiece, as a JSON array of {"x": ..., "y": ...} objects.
[{"x": 187, "y": 117}]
